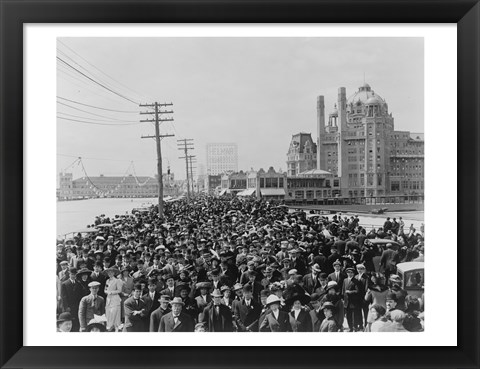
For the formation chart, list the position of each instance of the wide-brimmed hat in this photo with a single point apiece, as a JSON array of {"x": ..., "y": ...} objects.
[
  {"x": 64, "y": 317},
  {"x": 225, "y": 288},
  {"x": 114, "y": 270},
  {"x": 237, "y": 286},
  {"x": 177, "y": 300},
  {"x": 94, "y": 284},
  {"x": 273, "y": 299},
  {"x": 316, "y": 268},
  {"x": 217, "y": 293},
  {"x": 206, "y": 285},
  {"x": 83, "y": 271},
  {"x": 294, "y": 293}
]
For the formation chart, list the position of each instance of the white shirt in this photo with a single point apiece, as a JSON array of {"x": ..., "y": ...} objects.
[
  {"x": 248, "y": 303},
  {"x": 275, "y": 314},
  {"x": 296, "y": 313}
]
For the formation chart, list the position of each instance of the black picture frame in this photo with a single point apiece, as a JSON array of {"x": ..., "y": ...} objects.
[{"x": 15, "y": 13}]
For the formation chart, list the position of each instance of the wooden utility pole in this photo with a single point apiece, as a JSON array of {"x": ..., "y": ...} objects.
[
  {"x": 190, "y": 157},
  {"x": 185, "y": 145},
  {"x": 158, "y": 137}
]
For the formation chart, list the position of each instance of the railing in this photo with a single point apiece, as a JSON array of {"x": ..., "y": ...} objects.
[{"x": 378, "y": 200}]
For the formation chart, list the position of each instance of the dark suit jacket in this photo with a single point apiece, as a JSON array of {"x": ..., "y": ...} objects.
[
  {"x": 309, "y": 284},
  {"x": 167, "y": 291},
  {"x": 270, "y": 324},
  {"x": 328, "y": 325},
  {"x": 184, "y": 324},
  {"x": 303, "y": 323},
  {"x": 151, "y": 304},
  {"x": 135, "y": 323},
  {"x": 225, "y": 316},
  {"x": 352, "y": 299},
  {"x": 317, "y": 319},
  {"x": 100, "y": 278},
  {"x": 201, "y": 305},
  {"x": 388, "y": 261},
  {"x": 332, "y": 277},
  {"x": 71, "y": 294},
  {"x": 155, "y": 318},
  {"x": 246, "y": 316}
]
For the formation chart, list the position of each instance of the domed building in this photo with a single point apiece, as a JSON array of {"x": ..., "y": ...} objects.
[{"x": 359, "y": 146}]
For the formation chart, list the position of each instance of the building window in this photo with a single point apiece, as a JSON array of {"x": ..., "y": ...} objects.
[
  {"x": 262, "y": 181},
  {"x": 280, "y": 182},
  {"x": 336, "y": 183},
  {"x": 299, "y": 194}
]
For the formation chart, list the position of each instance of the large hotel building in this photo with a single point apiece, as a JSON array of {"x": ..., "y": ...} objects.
[
  {"x": 221, "y": 158},
  {"x": 358, "y": 152}
]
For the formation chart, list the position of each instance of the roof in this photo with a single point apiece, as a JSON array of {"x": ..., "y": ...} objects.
[
  {"x": 314, "y": 173},
  {"x": 364, "y": 93},
  {"x": 272, "y": 191},
  {"x": 301, "y": 138},
  {"x": 417, "y": 136},
  {"x": 411, "y": 265},
  {"x": 247, "y": 192}
]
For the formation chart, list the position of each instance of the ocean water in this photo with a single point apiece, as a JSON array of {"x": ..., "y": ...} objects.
[{"x": 74, "y": 215}]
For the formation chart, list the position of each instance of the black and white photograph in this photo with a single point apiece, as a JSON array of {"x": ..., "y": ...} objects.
[{"x": 240, "y": 184}]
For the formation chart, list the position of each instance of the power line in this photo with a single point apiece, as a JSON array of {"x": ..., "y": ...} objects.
[
  {"x": 98, "y": 107},
  {"x": 98, "y": 83},
  {"x": 120, "y": 160},
  {"x": 100, "y": 124},
  {"x": 113, "y": 120},
  {"x": 105, "y": 74},
  {"x": 98, "y": 115}
]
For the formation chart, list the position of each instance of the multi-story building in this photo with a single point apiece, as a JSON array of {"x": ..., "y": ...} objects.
[
  {"x": 302, "y": 154},
  {"x": 233, "y": 182},
  {"x": 269, "y": 184},
  {"x": 359, "y": 146},
  {"x": 222, "y": 157},
  {"x": 108, "y": 186}
]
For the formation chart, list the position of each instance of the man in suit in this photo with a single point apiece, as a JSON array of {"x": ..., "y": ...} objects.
[
  {"x": 90, "y": 305},
  {"x": 151, "y": 298},
  {"x": 98, "y": 276},
  {"x": 176, "y": 321},
  {"x": 311, "y": 281},
  {"x": 316, "y": 314},
  {"x": 247, "y": 311},
  {"x": 300, "y": 320},
  {"x": 216, "y": 316},
  {"x": 282, "y": 254},
  {"x": 135, "y": 311},
  {"x": 256, "y": 286},
  {"x": 352, "y": 302},
  {"x": 275, "y": 320},
  {"x": 157, "y": 314},
  {"x": 363, "y": 279},
  {"x": 337, "y": 275},
  {"x": 388, "y": 261},
  {"x": 296, "y": 262},
  {"x": 170, "y": 289},
  {"x": 71, "y": 292}
]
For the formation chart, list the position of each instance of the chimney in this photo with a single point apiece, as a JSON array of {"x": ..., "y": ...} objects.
[
  {"x": 320, "y": 131},
  {"x": 342, "y": 145}
]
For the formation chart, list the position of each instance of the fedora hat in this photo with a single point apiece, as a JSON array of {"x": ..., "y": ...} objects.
[
  {"x": 164, "y": 298},
  {"x": 316, "y": 268},
  {"x": 83, "y": 271},
  {"x": 112, "y": 269},
  {"x": 217, "y": 293},
  {"x": 330, "y": 285},
  {"x": 177, "y": 300},
  {"x": 328, "y": 305}
]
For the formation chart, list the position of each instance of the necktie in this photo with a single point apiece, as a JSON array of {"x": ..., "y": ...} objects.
[
  {"x": 137, "y": 300},
  {"x": 175, "y": 319},
  {"x": 217, "y": 309}
]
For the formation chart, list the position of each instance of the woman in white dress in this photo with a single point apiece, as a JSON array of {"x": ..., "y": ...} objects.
[{"x": 113, "y": 290}]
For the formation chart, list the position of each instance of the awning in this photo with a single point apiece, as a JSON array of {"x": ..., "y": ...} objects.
[
  {"x": 273, "y": 191},
  {"x": 247, "y": 192},
  {"x": 222, "y": 192}
]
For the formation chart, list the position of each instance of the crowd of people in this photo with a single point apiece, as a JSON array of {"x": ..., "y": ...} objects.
[{"x": 237, "y": 265}]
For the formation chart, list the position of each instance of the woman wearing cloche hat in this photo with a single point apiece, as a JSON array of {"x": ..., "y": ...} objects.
[{"x": 276, "y": 320}]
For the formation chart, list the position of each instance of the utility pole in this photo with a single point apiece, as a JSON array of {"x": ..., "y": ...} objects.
[
  {"x": 185, "y": 145},
  {"x": 190, "y": 157},
  {"x": 158, "y": 137}
]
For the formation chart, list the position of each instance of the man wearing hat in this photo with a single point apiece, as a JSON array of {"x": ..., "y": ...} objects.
[
  {"x": 395, "y": 286},
  {"x": 176, "y": 320},
  {"x": 352, "y": 301},
  {"x": 316, "y": 313},
  {"x": 311, "y": 281},
  {"x": 90, "y": 305},
  {"x": 216, "y": 316},
  {"x": 338, "y": 275},
  {"x": 363, "y": 280},
  {"x": 275, "y": 320},
  {"x": 388, "y": 261},
  {"x": 98, "y": 276},
  {"x": 157, "y": 314},
  {"x": 135, "y": 311},
  {"x": 71, "y": 292},
  {"x": 297, "y": 262},
  {"x": 247, "y": 311},
  {"x": 170, "y": 290}
]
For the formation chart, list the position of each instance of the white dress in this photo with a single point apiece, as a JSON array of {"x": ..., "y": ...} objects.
[{"x": 113, "y": 288}]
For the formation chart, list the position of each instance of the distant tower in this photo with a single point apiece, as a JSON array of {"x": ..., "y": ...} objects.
[
  {"x": 320, "y": 132},
  {"x": 342, "y": 144}
]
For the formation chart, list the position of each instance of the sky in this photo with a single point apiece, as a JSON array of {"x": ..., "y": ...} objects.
[{"x": 256, "y": 92}]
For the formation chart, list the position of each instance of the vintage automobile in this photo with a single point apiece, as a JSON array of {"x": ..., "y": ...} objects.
[
  {"x": 382, "y": 243},
  {"x": 412, "y": 275}
]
